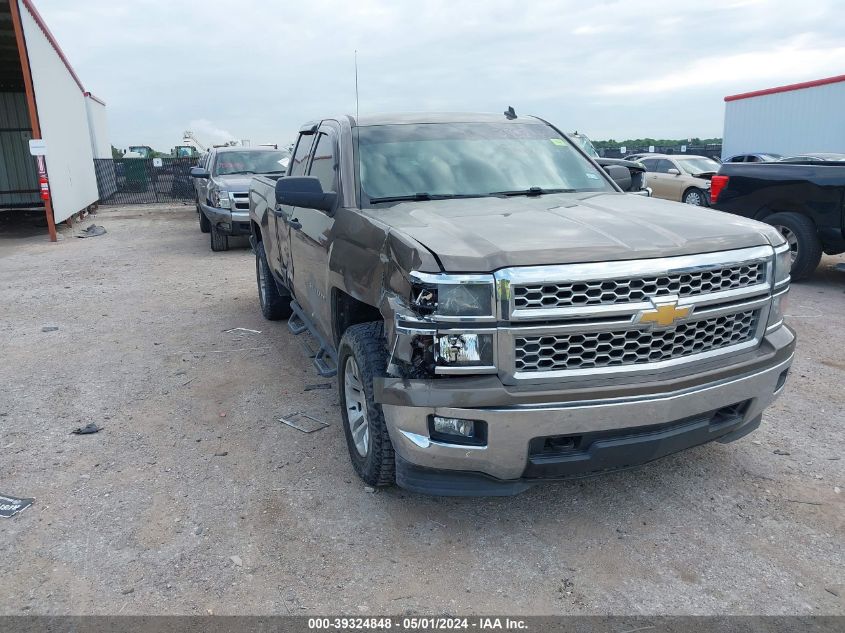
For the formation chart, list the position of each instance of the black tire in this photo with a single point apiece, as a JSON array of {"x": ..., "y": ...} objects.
[
  {"x": 366, "y": 345},
  {"x": 803, "y": 237},
  {"x": 205, "y": 225},
  {"x": 274, "y": 305},
  {"x": 219, "y": 241},
  {"x": 695, "y": 197}
]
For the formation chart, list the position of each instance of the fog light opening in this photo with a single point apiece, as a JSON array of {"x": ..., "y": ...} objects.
[
  {"x": 781, "y": 380},
  {"x": 457, "y": 431}
]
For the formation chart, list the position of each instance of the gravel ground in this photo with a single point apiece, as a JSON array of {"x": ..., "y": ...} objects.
[{"x": 195, "y": 499}]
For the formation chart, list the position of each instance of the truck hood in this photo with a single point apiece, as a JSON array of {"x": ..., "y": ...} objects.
[
  {"x": 236, "y": 182},
  {"x": 486, "y": 234}
]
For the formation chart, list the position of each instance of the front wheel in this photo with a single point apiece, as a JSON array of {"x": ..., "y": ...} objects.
[
  {"x": 205, "y": 225},
  {"x": 695, "y": 197},
  {"x": 274, "y": 306},
  {"x": 219, "y": 241},
  {"x": 361, "y": 358}
]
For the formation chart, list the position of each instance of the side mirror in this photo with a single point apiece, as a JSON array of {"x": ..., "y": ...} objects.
[
  {"x": 199, "y": 172},
  {"x": 305, "y": 192},
  {"x": 621, "y": 175},
  {"x": 673, "y": 171}
]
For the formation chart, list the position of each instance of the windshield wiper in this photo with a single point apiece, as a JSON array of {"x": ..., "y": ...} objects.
[
  {"x": 426, "y": 196},
  {"x": 238, "y": 173},
  {"x": 531, "y": 191}
]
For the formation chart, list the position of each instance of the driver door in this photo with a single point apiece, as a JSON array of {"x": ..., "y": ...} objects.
[
  {"x": 282, "y": 215},
  {"x": 311, "y": 236}
]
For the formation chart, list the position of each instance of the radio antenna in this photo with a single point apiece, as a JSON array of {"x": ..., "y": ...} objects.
[
  {"x": 356, "y": 86},
  {"x": 358, "y": 137}
]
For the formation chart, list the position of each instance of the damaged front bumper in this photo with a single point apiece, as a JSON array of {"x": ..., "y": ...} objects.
[
  {"x": 227, "y": 221},
  {"x": 543, "y": 432}
]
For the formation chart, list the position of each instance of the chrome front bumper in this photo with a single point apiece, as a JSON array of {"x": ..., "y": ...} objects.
[{"x": 511, "y": 426}]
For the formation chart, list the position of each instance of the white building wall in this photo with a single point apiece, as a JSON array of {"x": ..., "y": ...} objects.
[
  {"x": 99, "y": 127},
  {"x": 788, "y": 123},
  {"x": 64, "y": 124}
]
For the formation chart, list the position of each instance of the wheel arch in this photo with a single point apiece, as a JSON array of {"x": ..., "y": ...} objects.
[
  {"x": 783, "y": 207},
  {"x": 348, "y": 311},
  {"x": 256, "y": 230}
]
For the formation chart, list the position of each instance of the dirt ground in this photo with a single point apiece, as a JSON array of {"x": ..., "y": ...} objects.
[{"x": 194, "y": 498}]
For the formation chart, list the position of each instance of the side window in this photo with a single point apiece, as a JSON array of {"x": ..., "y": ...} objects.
[
  {"x": 650, "y": 164},
  {"x": 323, "y": 163},
  {"x": 663, "y": 166},
  {"x": 296, "y": 167},
  {"x": 753, "y": 159}
]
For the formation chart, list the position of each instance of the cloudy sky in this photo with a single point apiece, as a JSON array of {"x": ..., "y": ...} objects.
[{"x": 257, "y": 69}]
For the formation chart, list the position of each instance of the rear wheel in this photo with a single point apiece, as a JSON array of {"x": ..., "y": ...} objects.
[
  {"x": 695, "y": 196},
  {"x": 274, "y": 305},
  {"x": 803, "y": 240},
  {"x": 219, "y": 241},
  {"x": 362, "y": 356}
]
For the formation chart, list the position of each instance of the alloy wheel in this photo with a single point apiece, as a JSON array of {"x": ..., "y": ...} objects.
[
  {"x": 262, "y": 280},
  {"x": 356, "y": 407},
  {"x": 693, "y": 198}
]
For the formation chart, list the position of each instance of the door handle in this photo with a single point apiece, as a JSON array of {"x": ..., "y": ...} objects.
[{"x": 294, "y": 224}]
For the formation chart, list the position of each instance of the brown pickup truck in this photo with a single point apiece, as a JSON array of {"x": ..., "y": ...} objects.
[{"x": 498, "y": 312}]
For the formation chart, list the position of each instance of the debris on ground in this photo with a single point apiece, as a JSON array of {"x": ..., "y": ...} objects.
[
  {"x": 320, "y": 385},
  {"x": 369, "y": 489},
  {"x": 237, "y": 560},
  {"x": 50, "y": 328},
  {"x": 88, "y": 429},
  {"x": 241, "y": 329},
  {"x": 779, "y": 451},
  {"x": 92, "y": 231},
  {"x": 221, "y": 453},
  {"x": 10, "y": 506},
  {"x": 303, "y": 422}
]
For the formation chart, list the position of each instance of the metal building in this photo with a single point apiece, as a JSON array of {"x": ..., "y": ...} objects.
[
  {"x": 788, "y": 120},
  {"x": 41, "y": 97}
]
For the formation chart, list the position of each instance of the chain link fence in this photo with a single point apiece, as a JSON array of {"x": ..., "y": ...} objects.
[{"x": 144, "y": 180}]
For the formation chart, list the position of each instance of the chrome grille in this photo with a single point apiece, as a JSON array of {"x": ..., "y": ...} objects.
[
  {"x": 632, "y": 346},
  {"x": 636, "y": 289},
  {"x": 240, "y": 200}
]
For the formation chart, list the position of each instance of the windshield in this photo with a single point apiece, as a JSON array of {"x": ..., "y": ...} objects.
[
  {"x": 470, "y": 159},
  {"x": 698, "y": 165},
  {"x": 228, "y": 163}
]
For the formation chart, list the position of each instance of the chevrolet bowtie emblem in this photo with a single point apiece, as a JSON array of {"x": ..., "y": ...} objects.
[{"x": 665, "y": 313}]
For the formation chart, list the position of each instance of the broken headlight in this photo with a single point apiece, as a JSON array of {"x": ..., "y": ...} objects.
[
  {"x": 464, "y": 349},
  {"x": 454, "y": 297},
  {"x": 220, "y": 199}
]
